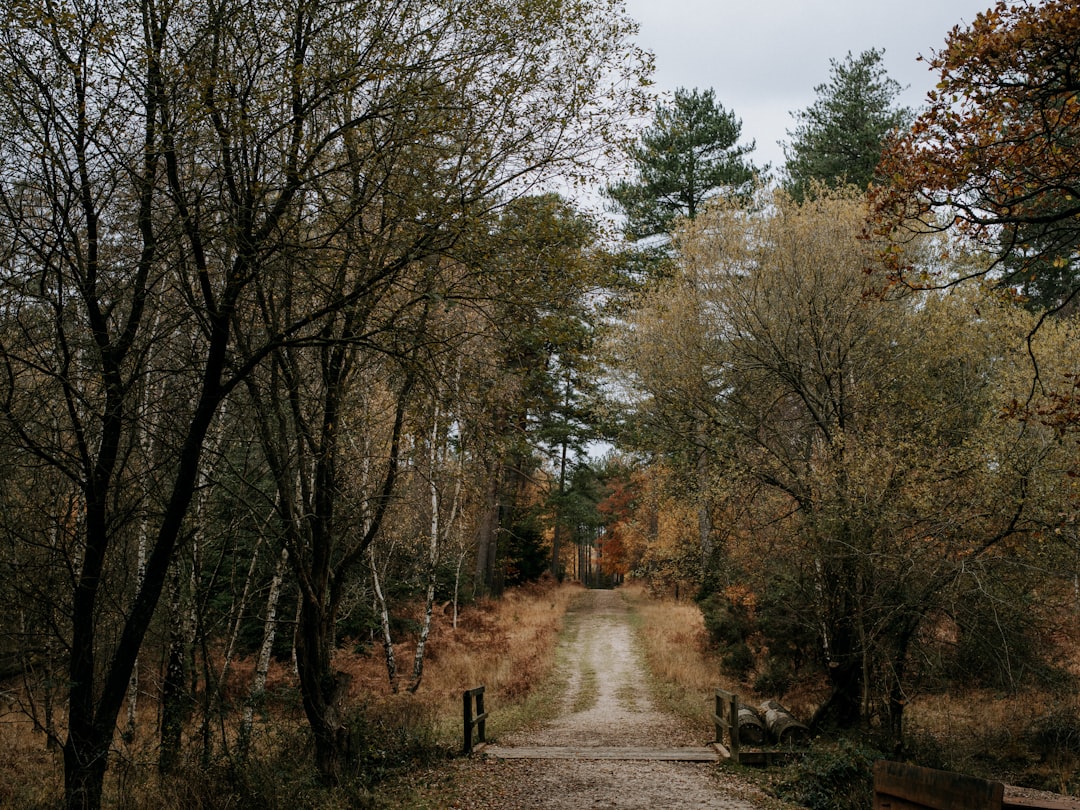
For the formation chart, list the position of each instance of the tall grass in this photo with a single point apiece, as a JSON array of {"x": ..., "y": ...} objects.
[
  {"x": 507, "y": 645},
  {"x": 29, "y": 773},
  {"x": 685, "y": 670}
]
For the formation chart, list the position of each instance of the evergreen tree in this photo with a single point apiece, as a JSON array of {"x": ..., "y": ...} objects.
[
  {"x": 840, "y": 137},
  {"x": 690, "y": 152}
]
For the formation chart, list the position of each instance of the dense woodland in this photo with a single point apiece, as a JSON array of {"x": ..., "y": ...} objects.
[{"x": 297, "y": 340}]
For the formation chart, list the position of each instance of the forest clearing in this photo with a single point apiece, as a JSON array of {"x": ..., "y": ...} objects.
[{"x": 345, "y": 346}]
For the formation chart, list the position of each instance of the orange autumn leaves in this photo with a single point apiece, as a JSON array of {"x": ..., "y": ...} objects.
[{"x": 997, "y": 147}]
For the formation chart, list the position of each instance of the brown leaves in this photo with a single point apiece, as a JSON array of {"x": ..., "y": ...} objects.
[{"x": 997, "y": 145}]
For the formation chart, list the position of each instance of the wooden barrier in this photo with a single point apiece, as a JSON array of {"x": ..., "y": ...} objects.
[
  {"x": 909, "y": 787},
  {"x": 898, "y": 786},
  {"x": 726, "y": 718},
  {"x": 474, "y": 720}
]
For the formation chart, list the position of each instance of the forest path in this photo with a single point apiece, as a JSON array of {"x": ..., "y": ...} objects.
[{"x": 606, "y": 704}]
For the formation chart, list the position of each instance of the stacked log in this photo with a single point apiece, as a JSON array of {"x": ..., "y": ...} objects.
[
  {"x": 751, "y": 727},
  {"x": 782, "y": 725}
]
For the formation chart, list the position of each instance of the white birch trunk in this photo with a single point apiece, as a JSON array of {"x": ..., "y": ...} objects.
[
  {"x": 384, "y": 618},
  {"x": 433, "y": 555},
  {"x": 262, "y": 666}
]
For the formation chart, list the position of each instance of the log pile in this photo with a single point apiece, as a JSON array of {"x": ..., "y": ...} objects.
[
  {"x": 751, "y": 727},
  {"x": 782, "y": 725}
]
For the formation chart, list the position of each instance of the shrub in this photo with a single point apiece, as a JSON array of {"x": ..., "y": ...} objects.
[
  {"x": 775, "y": 678},
  {"x": 392, "y": 736},
  {"x": 728, "y": 625},
  {"x": 1056, "y": 733},
  {"x": 834, "y": 776}
]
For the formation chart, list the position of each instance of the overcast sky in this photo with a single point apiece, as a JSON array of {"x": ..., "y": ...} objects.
[{"x": 764, "y": 57}]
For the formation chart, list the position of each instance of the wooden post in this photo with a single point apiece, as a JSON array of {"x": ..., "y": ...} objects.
[
  {"x": 726, "y": 716},
  {"x": 466, "y": 698},
  {"x": 471, "y": 720},
  {"x": 481, "y": 717}
]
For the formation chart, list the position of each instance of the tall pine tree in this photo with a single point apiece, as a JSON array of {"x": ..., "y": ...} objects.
[
  {"x": 840, "y": 137},
  {"x": 690, "y": 152}
]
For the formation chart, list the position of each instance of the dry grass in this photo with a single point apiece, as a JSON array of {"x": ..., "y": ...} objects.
[
  {"x": 30, "y": 775},
  {"x": 1030, "y": 738},
  {"x": 685, "y": 670},
  {"x": 507, "y": 645}
]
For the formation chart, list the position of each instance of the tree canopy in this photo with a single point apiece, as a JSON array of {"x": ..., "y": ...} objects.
[
  {"x": 839, "y": 138},
  {"x": 859, "y": 464},
  {"x": 995, "y": 153},
  {"x": 689, "y": 153}
]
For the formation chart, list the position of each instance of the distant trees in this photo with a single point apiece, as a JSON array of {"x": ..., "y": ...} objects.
[
  {"x": 205, "y": 202},
  {"x": 546, "y": 266},
  {"x": 838, "y": 140}
]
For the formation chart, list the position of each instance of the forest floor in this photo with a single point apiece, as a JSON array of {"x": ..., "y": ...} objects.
[{"x": 606, "y": 702}]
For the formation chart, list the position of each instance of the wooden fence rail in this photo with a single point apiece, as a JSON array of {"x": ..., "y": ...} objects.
[
  {"x": 908, "y": 787},
  {"x": 474, "y": 720}
]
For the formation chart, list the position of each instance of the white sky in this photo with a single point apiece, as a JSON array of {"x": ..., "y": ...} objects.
[{"x": 764, "y": 57}]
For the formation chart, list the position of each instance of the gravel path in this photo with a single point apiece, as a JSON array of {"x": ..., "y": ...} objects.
[{"x": 607, "y": 703}]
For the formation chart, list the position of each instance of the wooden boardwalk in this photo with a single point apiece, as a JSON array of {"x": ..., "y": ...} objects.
[{"x": 622, "y": 753}]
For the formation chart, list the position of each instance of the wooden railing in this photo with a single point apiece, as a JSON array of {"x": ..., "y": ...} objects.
[
  {"x": 474, "y": 720},
  {"x": 908, "y": 787},
  {"x": 726, "y": 719}
]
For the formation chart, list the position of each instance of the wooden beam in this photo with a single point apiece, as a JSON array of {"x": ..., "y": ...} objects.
[{"x": 898, "y": 786}]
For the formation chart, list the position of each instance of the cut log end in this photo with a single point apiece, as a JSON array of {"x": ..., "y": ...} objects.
[
  {"x": 782, "y": 725},
  {"x": 751, "y": 728}
]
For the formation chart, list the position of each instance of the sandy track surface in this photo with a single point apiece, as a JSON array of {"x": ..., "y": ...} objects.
[{"x": 607, "y": 703}]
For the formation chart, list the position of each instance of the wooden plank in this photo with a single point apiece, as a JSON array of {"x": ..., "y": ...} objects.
[
  {"x": 898, "y": 785},
  {"x": 597, "y": 752}
]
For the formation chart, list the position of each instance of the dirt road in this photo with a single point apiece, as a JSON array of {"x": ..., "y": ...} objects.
[{"x": 606, "y": 703}]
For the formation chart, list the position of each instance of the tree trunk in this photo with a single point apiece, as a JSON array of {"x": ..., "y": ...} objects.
[
  {"x": 705, "y": 527},
  {"x": 433, "y": 556},
  {"x": 174, "y": 703},
  {"x": 418, "y": 659},
  {"x": 384, "y": 623},
  {"x": 842, "y": 707},
  {"x": 487, "y": 535},
  {"x": 262, "y": 666},
  {"x": 175, "y": 698},
  {"x": 556, "y": 537},
  {"x": 133, "y": 682},
  {"x": 323, "y": 690},
  {"x": 457, "y": 586},
  {"x": 843, "y": 654},
  {"x": 85, "y": 761}
]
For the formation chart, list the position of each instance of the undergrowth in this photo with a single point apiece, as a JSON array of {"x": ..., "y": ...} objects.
[
  {"x": 1028, "y": 738},
  {"x": 507, "y": 645}
]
